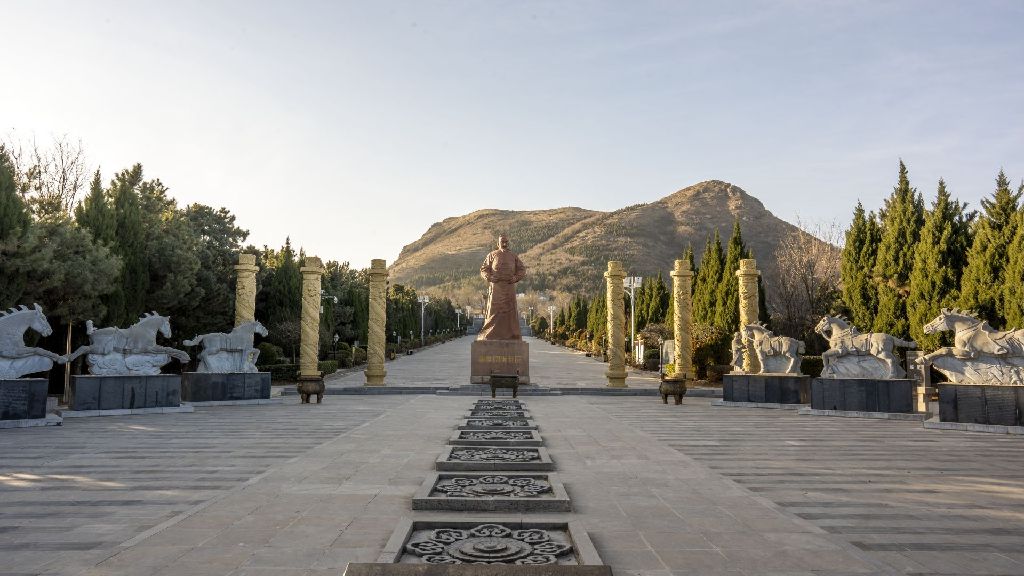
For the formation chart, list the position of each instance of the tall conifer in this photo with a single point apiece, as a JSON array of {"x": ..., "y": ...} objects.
[
  {"x": 981, "y": 288},
  {"x": 902, "y": 219},
  {"x": 1013, "y": 280},
  {"x": 938, "y": 264},
  {"x": 706, "y": 282},
  {"x": 857, "y": 266},
  {"x": 14, "y": 215},
  {"x": 727, "y": 308},
  {"x": 95, "y": 214}
]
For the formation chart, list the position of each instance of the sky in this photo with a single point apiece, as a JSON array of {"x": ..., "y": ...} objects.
[{"x": 353, "y": 126}]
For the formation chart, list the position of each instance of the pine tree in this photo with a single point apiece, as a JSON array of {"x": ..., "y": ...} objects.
[
  {"x": 727, "y": 308},
  {"x": 857, "y": 266},
  {"x": 902, "y": 219},
  {"x": 938, "y": 264},
  {"x": 14, "y": 215},
  {"x": 981, "y": 288},
  {"x": 709, "y": 275},
  {"x": 658, "y": 302},
  {"x": 95, "y": 214},
  {"x": 1013, "y": 279}
]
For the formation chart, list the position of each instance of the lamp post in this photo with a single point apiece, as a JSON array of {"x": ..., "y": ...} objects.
[
  {"x": 633, "y": 282},
  {"x": 551, "y": 317},
  {"x": 458, "y": 318},
  {"x": 423, "y": 300}
]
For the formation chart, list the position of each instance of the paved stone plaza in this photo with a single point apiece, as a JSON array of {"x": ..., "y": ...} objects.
[{"x": 292, "y": 489}]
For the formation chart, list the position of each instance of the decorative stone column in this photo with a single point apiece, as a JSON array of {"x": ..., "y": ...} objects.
[
  {"x": 682, "y": 286},
  {"x": 616, "y": 373},
  {"x": 309, "y": 345},
  {"x": 376, "y": 328},
  {"x": 748, "y": 275},
  {"x": 245, "y": 288}
]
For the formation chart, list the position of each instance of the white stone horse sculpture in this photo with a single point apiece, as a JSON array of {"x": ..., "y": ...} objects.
[
  {"x": 855, "y": 355},
  {"x": 777, "y": 354},
  {"x": 980, "y": 354},
  {"x": 223, "y": 353},
  {"x": 129, "y": 351},
  {"x": 16, "y": 359}
]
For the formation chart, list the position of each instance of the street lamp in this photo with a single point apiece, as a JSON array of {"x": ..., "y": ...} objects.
[
  {"x": 423, "y": 300},
  {"x": 551, "y": 317},
  {"x": 458, "y": 317},
  {"x": 633, "y": 282}
]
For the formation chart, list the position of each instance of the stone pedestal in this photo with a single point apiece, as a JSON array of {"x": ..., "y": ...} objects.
[
  {"x": 862, "y": 395},
  {"x": 616, "y": 373},
  {"x": 682, "y": 319},
  {"x": 499, "y": 357},
  {"x": 23, "y": 398},
  {"x": 309, "y": 345},
  {"x": 749, "y": 312},
  {"x": 376, "y": 328},
  {"x": 90, "y": 392},
  {"x": 214, "y": 387},
  {"x": 766, "y": 388},
  {"x": 245, "y": 288},
  {"x": 977, "y": 404}
]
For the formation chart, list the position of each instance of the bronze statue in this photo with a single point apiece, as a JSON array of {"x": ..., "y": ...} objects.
[{"x": 502, "y": 269}]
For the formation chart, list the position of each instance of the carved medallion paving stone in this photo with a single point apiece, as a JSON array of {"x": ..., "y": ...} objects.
[
  {"x": 490, "y": 544},
  {"x": 498, "y": 424},
  {"x": 496, "y": 438},
  {"x": 492, "y": 492},
  {"x": 487, "y": 458},
  {"x": 499, "y": 414}
]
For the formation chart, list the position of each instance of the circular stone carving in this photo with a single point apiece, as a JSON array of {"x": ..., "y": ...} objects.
[
  {"x": 488, "y": 544},
  {"x": 493, "y": 486},
  {"x": 502, "y": 422},
  {"x": 496, "y": 435}
]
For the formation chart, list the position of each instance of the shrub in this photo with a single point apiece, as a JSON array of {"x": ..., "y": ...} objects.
[
  {"x": 651, "y": 359},
  {"x": 327, "y": 366},
  {"x": 358, "y": 356},
  {"x": 344, "y": 355},
  {"x": 811, "y": 365},
  {"x": 269, "y": 354},
  {"x": 286, "y": 372}
]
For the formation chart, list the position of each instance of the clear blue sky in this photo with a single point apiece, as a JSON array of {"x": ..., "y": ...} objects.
[{"x": 354, "y": 126}]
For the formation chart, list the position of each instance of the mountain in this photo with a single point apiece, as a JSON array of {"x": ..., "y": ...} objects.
[{"x": 568, "y": 249}]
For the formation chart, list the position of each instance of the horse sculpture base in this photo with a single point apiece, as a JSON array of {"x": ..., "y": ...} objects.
[
  {"x": 124, "y": 392},
  {"x": 970, "y": 404},
  {"x": 23, "y": 398},
  {"x": 212, "y": 387},
  {"x": 766, "y": 388},
  {"x": 863, "y": 395}
]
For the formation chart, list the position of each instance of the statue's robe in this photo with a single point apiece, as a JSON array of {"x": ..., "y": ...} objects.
[{"x": 502, "y": 269}]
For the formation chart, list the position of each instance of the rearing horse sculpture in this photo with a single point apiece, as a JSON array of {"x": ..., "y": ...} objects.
[
  {"x": 16, "y": 359},
  {"x": 980, "y": 354},
  {"x": 234, "y": 352},
  {"x": 855, "y": 355},
  {"x": 129, "y": 351}
]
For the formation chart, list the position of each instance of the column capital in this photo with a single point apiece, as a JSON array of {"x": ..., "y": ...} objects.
[
  {"x": 378, "y": 267},
  {"x": 748, "y": 267},
  {"x": 246, "y": 263},
  {"x": 681, "y": 270},
  {"x": 313, "y": 266},
  {"x": 615, "y": 270}
]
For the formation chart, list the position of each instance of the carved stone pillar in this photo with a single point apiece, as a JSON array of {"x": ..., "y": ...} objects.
[
  {"x": 616, "y": 373},
  {"x": 682, "y": 282},
  {"x": 748, "y": 275},
  {"x": 376, "y": 329},
  {"x": 309, "y": 345},
  {"x": 245, "y": 288}
]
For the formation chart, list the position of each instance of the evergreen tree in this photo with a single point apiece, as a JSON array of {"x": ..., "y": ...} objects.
[
  {"x": 727, "y": 309},
  {"x": 902, "y": 219},
  {"x": 857, "y": 266},
  {"x": 95, "y": 214},
  {"x": 982, "y": 286},
  {"x": 658, "y": 302},
  {"x": 14, "y": 215},
  {"x": 707, "y": 280},
  {"x": 1013, "y": 279},
  {"x": 938, "y": 264}
]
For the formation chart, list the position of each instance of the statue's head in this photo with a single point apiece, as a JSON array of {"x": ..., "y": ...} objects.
[{"x": 503, "y": 242}]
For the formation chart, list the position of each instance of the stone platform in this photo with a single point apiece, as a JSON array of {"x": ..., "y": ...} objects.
[
  {"x": 211, "y": 387},
  {"x": 987, "y": 405},
  {"x": 99, "y": 393},
  {"x": 862, "y": 395},
  {"x": 766, "y": 388},
  {"x": 23, "y": 399}
]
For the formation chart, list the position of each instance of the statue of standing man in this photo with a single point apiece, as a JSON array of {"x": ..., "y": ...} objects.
[{"x": 502, "y": 269}]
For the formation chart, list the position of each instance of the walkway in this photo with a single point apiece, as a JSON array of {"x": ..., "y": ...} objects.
[{"x": 297, "y": 490}]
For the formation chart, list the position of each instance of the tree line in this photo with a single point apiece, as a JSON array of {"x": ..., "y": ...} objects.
[{"x": 127, "y": 248}]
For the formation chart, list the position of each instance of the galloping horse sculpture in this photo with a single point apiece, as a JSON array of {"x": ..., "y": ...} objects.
[
  {"x": 234, "y": 352},
  {"x": 980, "y": 354},
  {"x": 855, "y": 355},
  {"x": 16, "y": 359},
  {"x": 129, "y": 351},
  {"x": 776, "y": 354}
]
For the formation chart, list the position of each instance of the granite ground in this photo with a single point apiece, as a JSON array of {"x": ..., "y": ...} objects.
[{"x": 292, "y": 489}]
